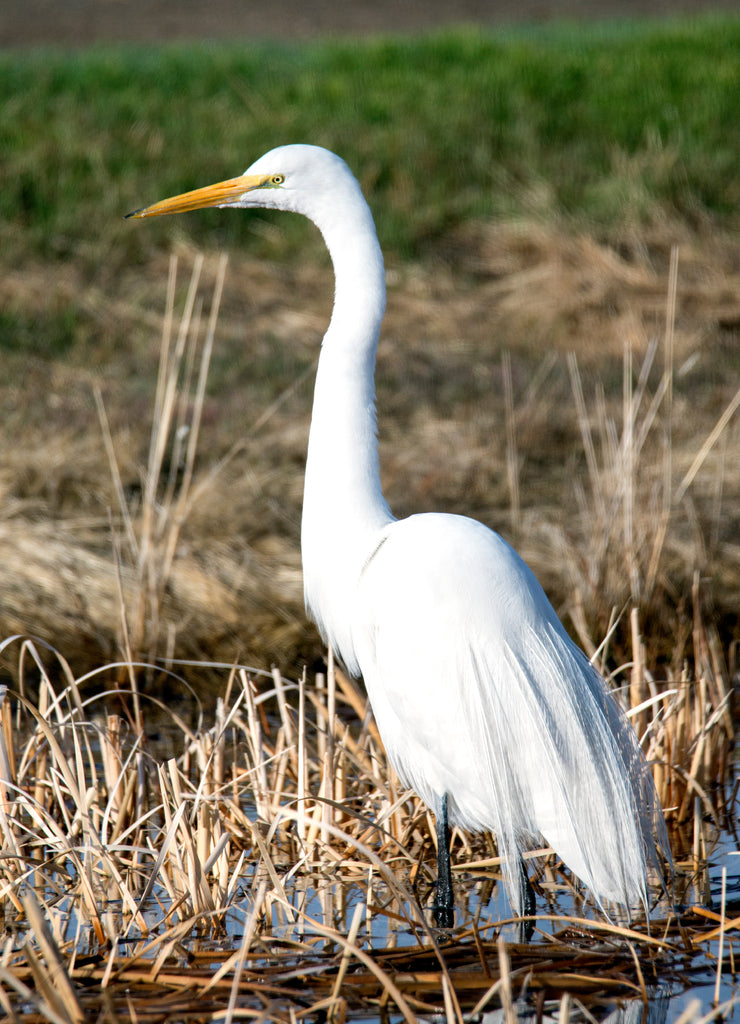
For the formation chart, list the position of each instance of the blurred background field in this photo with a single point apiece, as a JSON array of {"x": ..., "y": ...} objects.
[{"x": 539, "y": 368}]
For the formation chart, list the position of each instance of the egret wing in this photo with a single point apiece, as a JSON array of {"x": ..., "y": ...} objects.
[{"x": 479, "y": 693}]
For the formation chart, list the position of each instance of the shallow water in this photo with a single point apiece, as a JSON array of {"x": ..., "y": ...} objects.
[{"x": 688, "y": 986}]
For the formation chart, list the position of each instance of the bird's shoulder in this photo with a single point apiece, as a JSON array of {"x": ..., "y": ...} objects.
[{"x": 449, "y": 565}]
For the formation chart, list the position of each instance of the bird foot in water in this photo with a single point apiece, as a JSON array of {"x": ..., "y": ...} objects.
[
  {"x": 529, "y": 906},
  {"x": 444, "y": 915},
  {"x": 524, "y": 931},
  {"x": 443, "y": 909}
]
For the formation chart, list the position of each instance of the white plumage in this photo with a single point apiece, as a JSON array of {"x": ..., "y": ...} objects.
[{"x": 485, "y": 706}]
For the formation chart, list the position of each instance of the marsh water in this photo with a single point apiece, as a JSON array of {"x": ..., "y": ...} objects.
[{"x": 300, "y": 933}]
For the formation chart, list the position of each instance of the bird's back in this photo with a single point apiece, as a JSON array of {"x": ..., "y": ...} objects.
[{"x": 479, "y": 693}]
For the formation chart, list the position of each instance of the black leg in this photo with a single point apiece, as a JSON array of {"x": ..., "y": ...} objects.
[
  {"x": 529, "y": 903},
  {"x": 443, "y": 908}
]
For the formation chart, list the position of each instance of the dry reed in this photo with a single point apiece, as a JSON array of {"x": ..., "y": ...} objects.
[{"x": 216, "y": 877}]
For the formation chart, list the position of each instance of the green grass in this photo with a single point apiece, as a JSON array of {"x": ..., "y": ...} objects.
[{"x": 602, "y": 122}]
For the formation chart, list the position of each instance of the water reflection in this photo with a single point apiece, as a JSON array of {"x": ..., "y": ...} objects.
[{"x": 631, "y": 1011}]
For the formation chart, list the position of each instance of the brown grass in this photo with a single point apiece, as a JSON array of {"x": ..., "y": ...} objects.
[
  {"x": 265, "y": 863},
  {"x": 547, "y": 386}
]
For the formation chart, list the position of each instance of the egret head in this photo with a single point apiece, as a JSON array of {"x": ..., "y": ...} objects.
[{"x": 297, "y": 178}]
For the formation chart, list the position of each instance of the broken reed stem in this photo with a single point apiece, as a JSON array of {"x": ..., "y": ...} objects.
[
  {"x": 302, "y": 784},
  {"x": 668, "y": 349},
  {"x": 709, "y": 443},
  {"x": 7, "y": 749},
  {"x": 285, "y": 714},
  {"x": 331, "y": 712},
  {"x": 506, "y": 995},
  {"x": 720, "y": 951},
  {"x": 637, "y": 676},
  {"x": 347, "y": 951},
  {"x": 628, "y": 472}
]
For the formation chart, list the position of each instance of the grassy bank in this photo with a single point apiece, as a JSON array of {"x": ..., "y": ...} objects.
[{"x": 606, "y": 123}]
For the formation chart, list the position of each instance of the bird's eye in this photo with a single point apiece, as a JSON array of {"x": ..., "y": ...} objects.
[{"x": 277, "y": 179}]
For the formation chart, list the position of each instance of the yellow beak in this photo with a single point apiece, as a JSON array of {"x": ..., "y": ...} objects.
[{"x": 223, "y": 193}]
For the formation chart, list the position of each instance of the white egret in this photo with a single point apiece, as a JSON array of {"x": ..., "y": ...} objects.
[{"x": 485, "y": 705}]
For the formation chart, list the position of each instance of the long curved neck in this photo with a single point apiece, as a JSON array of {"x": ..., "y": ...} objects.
[{"x": 343, "y": 505}]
